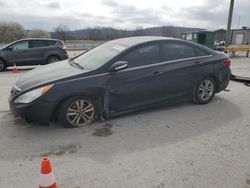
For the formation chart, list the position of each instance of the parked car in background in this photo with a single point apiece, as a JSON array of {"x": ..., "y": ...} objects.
[
  {"x": 120, "y": 76},
  {"x": 32, "y": 52}
]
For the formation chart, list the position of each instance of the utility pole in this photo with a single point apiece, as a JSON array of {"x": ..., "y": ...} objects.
[
  {"x": 230, "y": 15},
  {"x": 238, "y": 25}
]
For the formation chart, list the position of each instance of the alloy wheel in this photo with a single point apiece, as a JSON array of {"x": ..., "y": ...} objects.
[
  {"x": 53, "y": 59},
  {"x": 206, "y": 90},
  {"x": 80, "y": 113}
]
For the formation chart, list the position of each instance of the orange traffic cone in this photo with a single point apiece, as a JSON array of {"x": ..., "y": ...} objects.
[
  {"x": 15, "y": 70},
  {"x": 47, "y": 178}
]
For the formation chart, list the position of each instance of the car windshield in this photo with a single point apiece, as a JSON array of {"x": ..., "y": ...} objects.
[{"x": 100, "y": 55}]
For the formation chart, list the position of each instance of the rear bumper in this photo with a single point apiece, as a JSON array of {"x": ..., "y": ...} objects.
[
  {"x": 64, "y": 56},
  {"x": 38, "y": 111},
  {"x": 224, "y": 78}
]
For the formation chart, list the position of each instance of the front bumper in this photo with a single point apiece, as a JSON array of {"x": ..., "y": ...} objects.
[{"x": 39, "y": 110}]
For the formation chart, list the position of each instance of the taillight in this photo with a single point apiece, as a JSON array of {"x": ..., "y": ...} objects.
[
  {"x": 62, "y": 47},
  {"x": 227, "y": 62}
]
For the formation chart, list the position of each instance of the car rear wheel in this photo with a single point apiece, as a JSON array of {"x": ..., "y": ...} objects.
[
  {"x": 204, "y": 91},
  {"x": 3, "y": 66},
  {"x": 53, "y": 59},
  {"x": 77, "y": 112}
]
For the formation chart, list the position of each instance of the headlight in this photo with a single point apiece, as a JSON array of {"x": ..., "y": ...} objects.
[{"x": 33, "y": 94}]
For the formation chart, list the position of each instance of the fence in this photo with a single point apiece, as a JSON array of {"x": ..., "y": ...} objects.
[
  {"x": 75, "y": 45},
  {"x": 238, "y": 49}
]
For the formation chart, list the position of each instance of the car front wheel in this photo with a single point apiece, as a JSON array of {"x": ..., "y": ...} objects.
[
  {"x": 2, "y": 65},
  {"x": 204, "y": 91},
  {"x": 77, "y": 112}
]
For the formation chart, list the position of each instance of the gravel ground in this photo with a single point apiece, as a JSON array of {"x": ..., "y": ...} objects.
[
  {"x": 182, "y": 145},
  {"x": 241, "y": 66}
]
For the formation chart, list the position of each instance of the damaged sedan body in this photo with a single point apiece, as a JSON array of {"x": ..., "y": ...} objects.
[{"x": 120, "y": 76}]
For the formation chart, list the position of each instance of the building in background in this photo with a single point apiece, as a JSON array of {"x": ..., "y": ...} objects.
[
  {"x": 220, "y": 35},
  {"x": 205, "y": 37},
  {"x": 240, "y": 36}
]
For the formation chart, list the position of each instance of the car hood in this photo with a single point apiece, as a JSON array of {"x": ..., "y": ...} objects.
[{"x": 47, "y": 73}]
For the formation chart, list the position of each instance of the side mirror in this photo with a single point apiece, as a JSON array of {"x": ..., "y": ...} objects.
[
  {"x": 9, "y": 48},
  {"x": 119, "y": 65}
]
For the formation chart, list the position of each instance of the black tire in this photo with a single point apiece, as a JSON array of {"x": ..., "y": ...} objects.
[
  {"x": 68, "y": 111},
  {"x": 204, "y": 91},
  {"x": 3, "y": 65},
  {"x": 53, "y": 59}
]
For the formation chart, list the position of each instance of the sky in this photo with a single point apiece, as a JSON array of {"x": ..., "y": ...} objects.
[{"x": 124, "y": 14}]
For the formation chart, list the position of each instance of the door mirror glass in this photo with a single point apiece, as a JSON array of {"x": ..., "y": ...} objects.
[
  {"x": 10, "y": 48},
  {"x": 119, "y": 65}
]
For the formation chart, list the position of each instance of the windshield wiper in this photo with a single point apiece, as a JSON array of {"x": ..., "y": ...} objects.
[{"x": 73, "y": 63}]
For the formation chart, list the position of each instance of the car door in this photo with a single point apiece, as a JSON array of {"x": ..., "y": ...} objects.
[
  {"x": 38, "y": 50},
  {"x": 137, "y": 84},
  {"x": 19, "y": 53},
  {"x": 183, "y": 66}
]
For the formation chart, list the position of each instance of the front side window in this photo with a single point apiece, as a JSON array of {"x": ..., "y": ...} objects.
[
  {"x": 145, "y": 55},
  {"x": 21, "y": 45}
]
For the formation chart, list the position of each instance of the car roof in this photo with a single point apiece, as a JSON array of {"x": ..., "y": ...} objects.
[
  {"x": 47, "y": 39},
  {"x": 132, "y": 41}
]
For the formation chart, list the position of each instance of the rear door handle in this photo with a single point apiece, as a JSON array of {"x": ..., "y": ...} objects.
[
  {"x": 197, "y": 62},
  {"x": 156, "y": 73}
]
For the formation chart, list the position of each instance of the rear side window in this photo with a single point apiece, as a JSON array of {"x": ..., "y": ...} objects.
[
  {"x": 175, "y": 51},
  {"x": 145, "y": 55},
  {"x": 51, "y": 42},
  {"x": 41, "y": 43},
  {"x": 37, "y": 43},
  {"x": 200, "y": 52}
]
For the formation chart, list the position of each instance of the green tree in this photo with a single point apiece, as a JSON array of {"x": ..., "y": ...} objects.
[
  {"x": 11, "y": 31},
  {"x": 38, "y": 33}
]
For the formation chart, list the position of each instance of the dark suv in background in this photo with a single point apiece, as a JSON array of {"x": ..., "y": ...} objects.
[{"x": 32, "y": 52}]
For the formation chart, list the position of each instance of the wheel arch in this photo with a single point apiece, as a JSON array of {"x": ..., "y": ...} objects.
[
  {"x": 4, "y": 62},
  {"x": 216, "y": 79},
  {"x": 96, "y": 96}
]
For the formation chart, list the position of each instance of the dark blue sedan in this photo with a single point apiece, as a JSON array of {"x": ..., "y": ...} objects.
[{"x": 120, "y": 76}]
